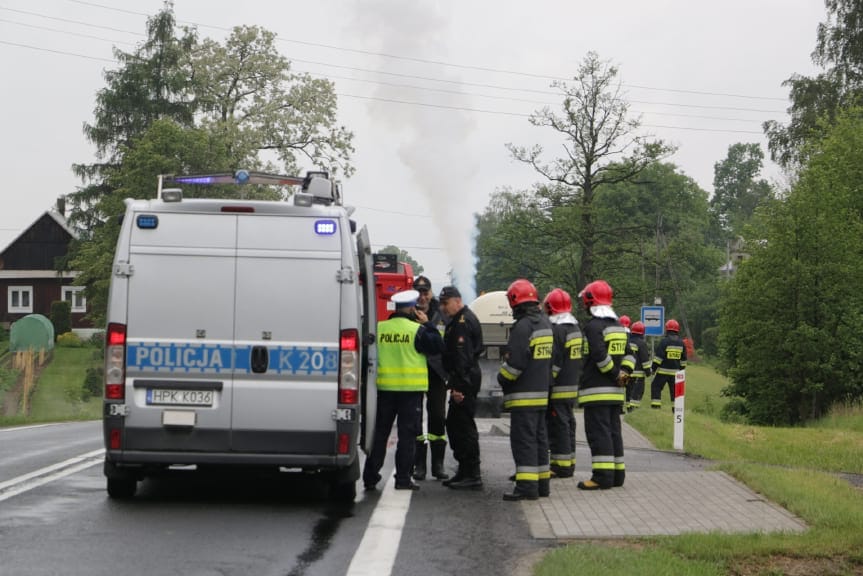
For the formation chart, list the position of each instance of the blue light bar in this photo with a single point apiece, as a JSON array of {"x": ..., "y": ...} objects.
[
  {"x": 147, "y": 221},
  {"x": 195, "y": 179},
  {"x": 325, "y": 227}
]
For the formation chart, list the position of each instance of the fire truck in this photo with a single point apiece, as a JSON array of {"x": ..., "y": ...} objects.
[{"x": 391, "y": 276}]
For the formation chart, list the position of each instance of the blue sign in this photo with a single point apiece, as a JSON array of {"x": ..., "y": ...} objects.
[{"x": 653, "y": 318}]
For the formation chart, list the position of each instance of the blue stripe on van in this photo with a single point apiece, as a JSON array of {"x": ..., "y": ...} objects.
[{"x": 200, "y": 358}]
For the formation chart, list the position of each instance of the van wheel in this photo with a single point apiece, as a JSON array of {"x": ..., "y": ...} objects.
[{"x": 122, "y": 488}]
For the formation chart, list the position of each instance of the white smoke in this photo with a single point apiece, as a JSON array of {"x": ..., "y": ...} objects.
[{"x": 435, "y": 138}]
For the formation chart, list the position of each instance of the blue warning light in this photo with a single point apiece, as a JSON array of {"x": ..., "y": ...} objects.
[
  {"x": 241, "y": 176},
  {"x": 325, "y": 227}
]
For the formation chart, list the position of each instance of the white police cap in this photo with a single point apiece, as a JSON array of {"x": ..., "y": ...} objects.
[{"x": 405, "y": 298}]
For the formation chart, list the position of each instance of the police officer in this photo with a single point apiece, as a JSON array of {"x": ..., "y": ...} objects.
[
  {"x": 525, "y": 377},
  {"x": 403, "y": 340},
  {"x": 565, "y": 372},
  {"x": 607, "y": 366},
  {"x": 462, "y": 348},
  {"x": 670, "y": 357},
  {"x": 436, "y": 395},
  {"x": 638, "y": 348}
]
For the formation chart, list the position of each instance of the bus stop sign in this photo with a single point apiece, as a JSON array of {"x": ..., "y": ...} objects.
[{"x": 653, "y": 318}]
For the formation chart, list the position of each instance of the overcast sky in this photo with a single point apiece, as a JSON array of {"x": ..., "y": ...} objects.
[{"x": 432, "y": 90}]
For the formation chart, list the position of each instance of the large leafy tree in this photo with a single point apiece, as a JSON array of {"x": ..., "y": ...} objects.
[
  {"x": 791, "y": 317},
  {"x": 602, "y": 146},
  {"x": 226, "y": 107},
  {"x": 816, "y": 101},
  {"x": 737, "y": 187}
]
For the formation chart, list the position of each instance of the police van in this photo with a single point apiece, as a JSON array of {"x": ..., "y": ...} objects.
[{"x": 238, "y": 334}]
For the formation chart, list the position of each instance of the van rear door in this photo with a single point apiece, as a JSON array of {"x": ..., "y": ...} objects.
[
  {"x": 287, "y": 323},
  {"x": 368, "y": 374},
  {"x": 180, "y": 330}
]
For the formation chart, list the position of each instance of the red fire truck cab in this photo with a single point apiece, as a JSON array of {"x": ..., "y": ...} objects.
[{"x": 391, "y": 276}]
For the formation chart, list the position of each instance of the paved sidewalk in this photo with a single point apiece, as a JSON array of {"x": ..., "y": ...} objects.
[{"x": 665, "y": 493}]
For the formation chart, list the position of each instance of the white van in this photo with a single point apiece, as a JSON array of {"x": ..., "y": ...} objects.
[{"x": 239, "y": 335}]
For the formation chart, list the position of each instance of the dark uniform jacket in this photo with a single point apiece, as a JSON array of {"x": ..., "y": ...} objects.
[
  {"x": 463, "y": 341},
  {"x": 605, "y": 355},
  {"x": 670, "y": 355},
  {"x": 566, "y": 361},
  {"x": 435, "y": 361},
  {"x": 525, "y": 375},
  {"x": 638, "y": 348}
]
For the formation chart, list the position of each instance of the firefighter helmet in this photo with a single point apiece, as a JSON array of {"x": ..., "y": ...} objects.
[
  {"x": 625, "y": 321},
  {"x": 521, "y": 291},
  {"x": 597, "y": 293},
  {"x": 557, "y": 302},
  {"x": 638, "y": 328},
  {"x": 672, "y": 326}
]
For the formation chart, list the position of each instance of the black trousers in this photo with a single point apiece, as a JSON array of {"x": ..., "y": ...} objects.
[
  {"x": 528, "y": 440},
  {"x": 657, "y": 387},
  {"x": 403, "y": 407},
  {"x": 602, "y": 428},
  {"x": 561, "y": 434},
  {"x": 635, "y": 391},
  {"x": 435, "y": 400},
  {"x": 463, "y": 435}
]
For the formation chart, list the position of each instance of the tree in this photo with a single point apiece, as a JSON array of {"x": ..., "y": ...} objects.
[
  {"x": 737, "y": 189},
  {"x": 791, "y": 316},
  {"x": 816, "y": 101},
  {"x": 177, "y": 105},
  {"x": 601, "y": 148},
  {"x": 403, "y": 256}
]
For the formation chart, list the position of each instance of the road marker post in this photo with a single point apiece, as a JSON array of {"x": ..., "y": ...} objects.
[{"x": 679, "y": 389}]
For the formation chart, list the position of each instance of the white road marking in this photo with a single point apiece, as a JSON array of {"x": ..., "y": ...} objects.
[
  {"x": 30, "y": 427},
  {"x": 380, "y": 544},
  {"x": 25, "y": 482}
]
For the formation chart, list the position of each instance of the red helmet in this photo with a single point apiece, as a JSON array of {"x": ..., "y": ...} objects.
[
  {"x": 597, "y": 293},
  {"x": 625, "y": 321},
  {"x": 638, "y": 328},
  {"x": 557, "y": 302},
  {"x": 672, "y": 326},
  {"x": 521, "y": 291}
]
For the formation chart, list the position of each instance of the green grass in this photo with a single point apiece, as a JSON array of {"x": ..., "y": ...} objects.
[
  {"x": 57, "y": 396},
  {"x": 794, "y": 467}
]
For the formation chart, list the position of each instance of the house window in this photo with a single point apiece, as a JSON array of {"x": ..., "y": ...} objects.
[
  {"x": 74, "y": 295},
  {"x": 20, "y": 299}
]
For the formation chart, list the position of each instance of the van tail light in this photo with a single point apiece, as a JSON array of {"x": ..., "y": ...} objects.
[
  {"x": 349, "y": 377},
  {"x": 115, "y": 362}
]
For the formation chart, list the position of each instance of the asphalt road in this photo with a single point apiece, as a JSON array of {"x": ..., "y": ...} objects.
[{"x": 56, "y": 518}]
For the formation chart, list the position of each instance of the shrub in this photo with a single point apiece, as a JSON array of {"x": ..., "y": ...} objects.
[
  {"x": 97, "y": 339},
  {"x": 93, "y": 383},
  {"x": 69, "y": 340},
  {"x": 61, "y": 316}
]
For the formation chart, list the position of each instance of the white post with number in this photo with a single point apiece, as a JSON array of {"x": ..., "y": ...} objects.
[{"x": 679, "y": 389}]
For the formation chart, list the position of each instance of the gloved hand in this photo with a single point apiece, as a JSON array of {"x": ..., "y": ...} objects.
[{"x": 622, "y": 378}]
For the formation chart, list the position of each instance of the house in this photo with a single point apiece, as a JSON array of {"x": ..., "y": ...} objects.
[{"x": 29, "y": 281}]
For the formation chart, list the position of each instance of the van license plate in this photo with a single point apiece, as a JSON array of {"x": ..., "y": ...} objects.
[{"x": 168, "y": 397}]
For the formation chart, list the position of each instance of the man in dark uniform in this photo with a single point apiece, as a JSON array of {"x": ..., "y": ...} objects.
[
  {"x": 402, "y": 379},
  {"x": 565, "y": 372},
  {"x": 436, "y": 395},
  {"x": 638, "y": 348},
  {"x": 670, "y": 357},
  {"x": 462, "y": 347},
  {"x": 525, "y": 377},
  {"x": 607, "y": 366}
]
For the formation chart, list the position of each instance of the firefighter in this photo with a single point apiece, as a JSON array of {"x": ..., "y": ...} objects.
[
  {"x": 607, "y": 366},
  {"x": 638, "y": 348},
  {"x": 669, "y": 358},
  {"x": 435, "y": 398},
  {"x": 525, "y": 377},
  {"x": 403, "y": 341},
  {"x": 565, "y": 371},
  {"x": 462, "y": 347},
  {"x": 625, "y": 321}
]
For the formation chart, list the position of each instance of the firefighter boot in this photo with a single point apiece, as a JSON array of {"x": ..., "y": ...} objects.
[
  {"x": 438, "y": 453},
  {"x": 544, "y": 487},
  {"x": 619, "y": 477},
  {"x": 420, "y": 462},
  {"x": 471, "y": 481}
]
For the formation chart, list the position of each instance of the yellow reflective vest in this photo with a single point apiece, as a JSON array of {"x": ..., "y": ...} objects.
[{"x": 400, "y": 367}]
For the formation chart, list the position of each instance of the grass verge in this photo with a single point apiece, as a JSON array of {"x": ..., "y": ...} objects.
[{"x": 794, "y": 467}]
